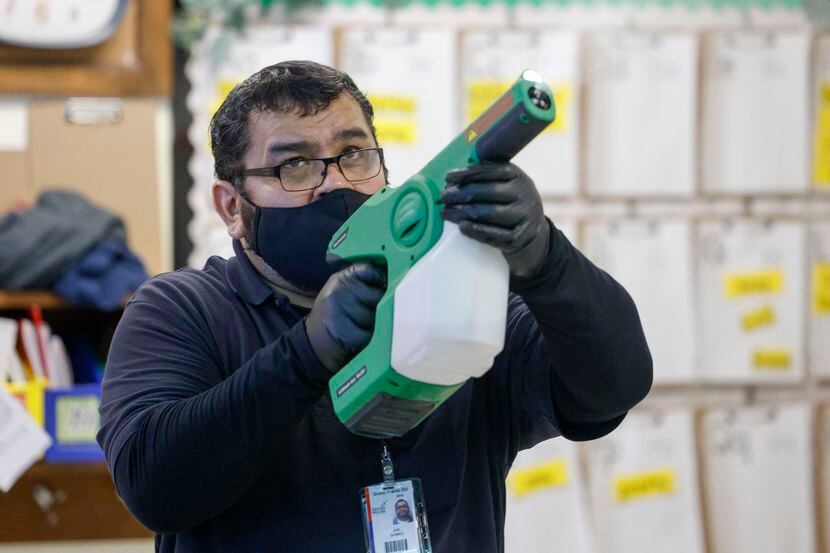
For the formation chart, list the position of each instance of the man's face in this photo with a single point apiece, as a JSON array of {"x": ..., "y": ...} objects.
[
  {"x": 402, "y": 510},
  {"x": 276, "y": 138}
]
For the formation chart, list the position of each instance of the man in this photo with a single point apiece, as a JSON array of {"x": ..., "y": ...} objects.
[
  {"x": 216, "y": 420},
  {"x": 402, "y": 512}
]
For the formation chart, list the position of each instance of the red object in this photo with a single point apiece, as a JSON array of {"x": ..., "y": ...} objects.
[
  {"x": 37, "y": 319},
  {"x": 368, "y": 506}
]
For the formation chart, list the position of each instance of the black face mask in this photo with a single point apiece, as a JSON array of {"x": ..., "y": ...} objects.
[{"x": 293, "y": 240}]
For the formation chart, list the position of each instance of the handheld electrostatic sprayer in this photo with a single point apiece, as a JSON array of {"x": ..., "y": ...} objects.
[{"x": 442, "y": 318}]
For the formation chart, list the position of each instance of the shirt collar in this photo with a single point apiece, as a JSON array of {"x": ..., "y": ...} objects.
[{"x": 245, "y": 280}]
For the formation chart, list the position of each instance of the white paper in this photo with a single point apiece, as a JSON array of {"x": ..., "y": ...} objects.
[
  {"x": 759, "y": 484},
  {"x": 648, "y": 446},
  {"x": 641, "y": 114},
  {"x": 490, "y": 58},
  {"x": 14, "y": 124},
  {"x": 8, "y": 340},
  {"x": 754, "y": 336},
  {"x": 409, "y": 76},
  {"x": 819, "y": 291},
  {"x": 755, "y": 113},
  {"x": 14, "y": 369},
  {"x": 28, "y": 336},
  {"x": 549, "y": 517},
  {"x": 10, "y": 367},
  {"x": 652, "y": 259},
  {"x": 211, "y": 76},
  {"x": 59, "y": 363},
  {"x": 22, "y": 441}
]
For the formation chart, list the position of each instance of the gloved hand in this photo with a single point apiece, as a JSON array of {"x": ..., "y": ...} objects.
[
  {"x": 343, "y": 315},
  {"x": 497, "y": 203}
]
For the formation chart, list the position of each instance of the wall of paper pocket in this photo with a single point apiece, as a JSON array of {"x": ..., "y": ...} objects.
[
  {"x": 727, "y": 477},
  {"x": 707, "y": 111},
  {"x": 690, "y": 159}
]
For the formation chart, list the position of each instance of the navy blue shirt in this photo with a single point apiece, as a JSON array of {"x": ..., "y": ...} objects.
[{"x": 219, "y": 431}]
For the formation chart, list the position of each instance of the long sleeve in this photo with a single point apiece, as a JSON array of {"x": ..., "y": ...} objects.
[
  {"x": 577, "y": 334},
  {"x": 183, "y": 439}
]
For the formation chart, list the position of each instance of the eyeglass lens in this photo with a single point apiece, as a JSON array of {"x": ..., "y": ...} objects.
[{"x": 306, "y": 174}]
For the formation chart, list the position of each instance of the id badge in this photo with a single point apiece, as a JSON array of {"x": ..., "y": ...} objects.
[{"x": 394, "y": 517}]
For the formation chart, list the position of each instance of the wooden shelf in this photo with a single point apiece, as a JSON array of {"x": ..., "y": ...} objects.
[
  {"x": 74, "y": 501},
  {"x": 47, "y": 300},
  {"x": 23, "y": 300}
]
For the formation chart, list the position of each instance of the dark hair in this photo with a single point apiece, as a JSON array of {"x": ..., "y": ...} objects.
[{"x": 304, "y": 87}]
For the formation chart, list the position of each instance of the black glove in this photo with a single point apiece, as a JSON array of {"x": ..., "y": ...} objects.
[
  {"x": 343, "y": 316},
  {"x": 497, "y": 203}
]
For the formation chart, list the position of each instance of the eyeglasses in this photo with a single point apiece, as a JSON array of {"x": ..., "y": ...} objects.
[{"x": 299, "y": 175}]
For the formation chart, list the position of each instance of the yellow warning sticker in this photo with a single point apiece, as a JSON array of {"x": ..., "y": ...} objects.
[
  {"x": 395, "y": 119},
  {"x": 553, "y": 474},
  {"x": 767, "y": 281},
  {"x": 772, "y": 359},
  {"x": 396, "y": 132},
  {"x": 30, "y": 394},
  {"x": 821, "y": 288},
  {"x": 221, "y": 89},
  {"x": 393, "y": 102},
  {"x": 758, "y": 318},
  {"x": 483, "y": 92},
  {"x": 645, "y": 484},
  {"x": 821, "y": 145}
]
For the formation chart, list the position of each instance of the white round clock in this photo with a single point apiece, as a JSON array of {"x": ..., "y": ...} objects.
[{"x": 59, "y": 23}]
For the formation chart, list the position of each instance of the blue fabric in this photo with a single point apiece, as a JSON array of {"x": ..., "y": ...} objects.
[
  {"x": 39, "y": 244},
  {"x": 220, "y": 435},
  {"x": 102, "y": 277}
]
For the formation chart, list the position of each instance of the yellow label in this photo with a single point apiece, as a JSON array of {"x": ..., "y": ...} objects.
[
  {"x": 222, "y": 89},
  {"x": 561, "y": 100},
  {"x": 396, "y": 132},
  {"x": 392, "y": 102},
  {"x": 482, "y": 93},
  {"x": 395, "y": 119},
  {"x": 30, "y": 394},
  {"x": 645, "y": 484},
  {"x": 536, "y": 478},
  {"x": 821, "y": 288},
  {"x": 772, "y": 359},
  {"x": 758, "y": 318},
  {"x": 768, "y": 281},
  {"x": 821, "y": 146}
]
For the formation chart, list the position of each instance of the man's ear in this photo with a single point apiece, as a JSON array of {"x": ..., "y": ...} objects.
[{"x": 228, "y": 204}]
